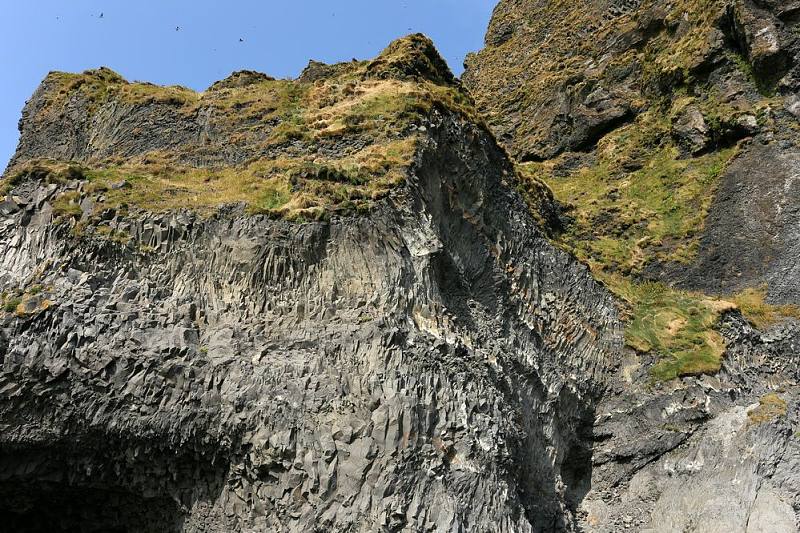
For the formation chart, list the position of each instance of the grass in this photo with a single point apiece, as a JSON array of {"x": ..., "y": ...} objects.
[
  {"x": 642, "y": 201},
  {"x": 379, "y": 98},
  {"x": 11, "y": 304},
  {"x": 560, "y": 46},
  {"x": 58, "y": 172},
  {"x": 67, "y": 204},
  {"x": 679, "y": 325},
  {"x": 676, "y": 58},
  {"x": 623, "y": 218},
  {"x": 413, "y": 57},
  {"x": 752, "y": 303},
  {"x": 766, "y": 87},
  {"x": 33, "y": 299},
  {"x": 366, "y": 110},
  {"x": 101, "y": 85},
  {"x": 770, "y": 407},
  {"x": 284, "y": 187},
  {"x": 113, "y": 235}
]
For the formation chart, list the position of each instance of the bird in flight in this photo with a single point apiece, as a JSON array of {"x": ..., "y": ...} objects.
[
  {"x": 101, "y": 15},
  {"x": 177, "y": 28}
]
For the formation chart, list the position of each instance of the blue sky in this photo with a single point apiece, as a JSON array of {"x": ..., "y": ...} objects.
[{"x": 195, "y": 43}]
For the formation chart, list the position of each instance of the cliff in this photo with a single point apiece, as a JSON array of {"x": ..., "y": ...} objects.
[
  {"x": 668, "y": 132},
  {"x": 558, "y": 295},
  {"x": 312, "y": 305}
]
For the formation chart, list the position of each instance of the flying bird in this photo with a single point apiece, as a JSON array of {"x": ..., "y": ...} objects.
[
  {"x": 177, "y": 28},
  {"x": 241, "y": 40},
  {"x": 101, "y": 15}
]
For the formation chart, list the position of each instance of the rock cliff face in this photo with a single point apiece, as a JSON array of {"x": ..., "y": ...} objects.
[
  {"x": 338, "y": 304},
  {"x": 429, "y": 362},
  {"x": 669, "y": 132},
  {"x": 629, "y": 85}
]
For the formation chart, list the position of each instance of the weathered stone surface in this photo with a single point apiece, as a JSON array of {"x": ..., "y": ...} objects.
[
  {"x": 691, "y": 130},
  {"x": 689, "y": 457},
  {"x": 752, "y": 235},
  {"x": 436, "y": 364},
  {"x": 691, "y": 454},
  {"x": 556, "y": 76},
  {"x": 432, "y": 366}
]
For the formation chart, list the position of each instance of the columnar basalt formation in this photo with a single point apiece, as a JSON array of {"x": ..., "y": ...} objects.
[
  {"x": 558, "y": 295},
  {"x": 426, "y": 362}
]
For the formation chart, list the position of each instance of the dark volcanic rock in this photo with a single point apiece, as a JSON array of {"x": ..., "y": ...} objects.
[
  {"x": 556, "y": 77},
  {"x": 432, "y": 360},
  {"x": 617, "y": 95},
  {"x": 430, "y": 366}
]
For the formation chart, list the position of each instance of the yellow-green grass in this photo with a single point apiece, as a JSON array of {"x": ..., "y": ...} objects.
[
  {"x": 282, "y": 122},
  {"x": 752, "y": 303},
  {"x": 623, "y": 220},
  {"x": 770, "y": 407},
  {"x": 640, "y": 201},
  {"x": 27, "y": 302},
  {"x": 677, "y": 325},
  {"x": 292, "y": 188},
  {"x": 348, "y": 102},
  {"x": 518, "y": 78}
]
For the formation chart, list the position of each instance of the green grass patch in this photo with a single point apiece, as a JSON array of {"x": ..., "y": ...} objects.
[
  {"x": 678, "y": 325},
  {"x": 113, "y": 235},
  {"x": 67, "y": 204},
  {"x": 293, "y": 188},
  {"x": 766, "y": 87},
  {"x": 330, "y": 146},
  {"x": 10, "y": 304},
  {"x": 643, "y": 202},
  {"x": 623, "y": 220}
]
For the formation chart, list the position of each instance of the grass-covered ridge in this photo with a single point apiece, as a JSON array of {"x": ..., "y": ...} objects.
[
  {"x": 290, "y": 148},
  {"x": 291, "y": 188}
]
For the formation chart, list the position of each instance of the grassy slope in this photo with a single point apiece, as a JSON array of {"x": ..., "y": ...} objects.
[{"x": 643, "y": 202}]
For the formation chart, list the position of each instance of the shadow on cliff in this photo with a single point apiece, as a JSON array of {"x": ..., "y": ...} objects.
[{"x": 103, "y": 487}]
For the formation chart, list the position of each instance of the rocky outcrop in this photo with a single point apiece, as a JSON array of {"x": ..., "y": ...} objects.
[
  {"x": 716, "y": 453},
  {"x": 712, "y": 76},
  {"x": 555, "y": 78},
  {"x": 616, "y": 104},
  {"x": 432, "y": 365},
  {"x": 336, "y": 304}
]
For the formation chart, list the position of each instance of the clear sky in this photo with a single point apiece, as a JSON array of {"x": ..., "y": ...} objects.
[{"x": 196, "y": 42}]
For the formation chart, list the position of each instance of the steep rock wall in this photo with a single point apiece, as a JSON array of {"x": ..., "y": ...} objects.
[{"x": 430, "y": 366}]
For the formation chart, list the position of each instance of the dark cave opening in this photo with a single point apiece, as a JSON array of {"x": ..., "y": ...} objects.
[{"x": 53, "y": 507}]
